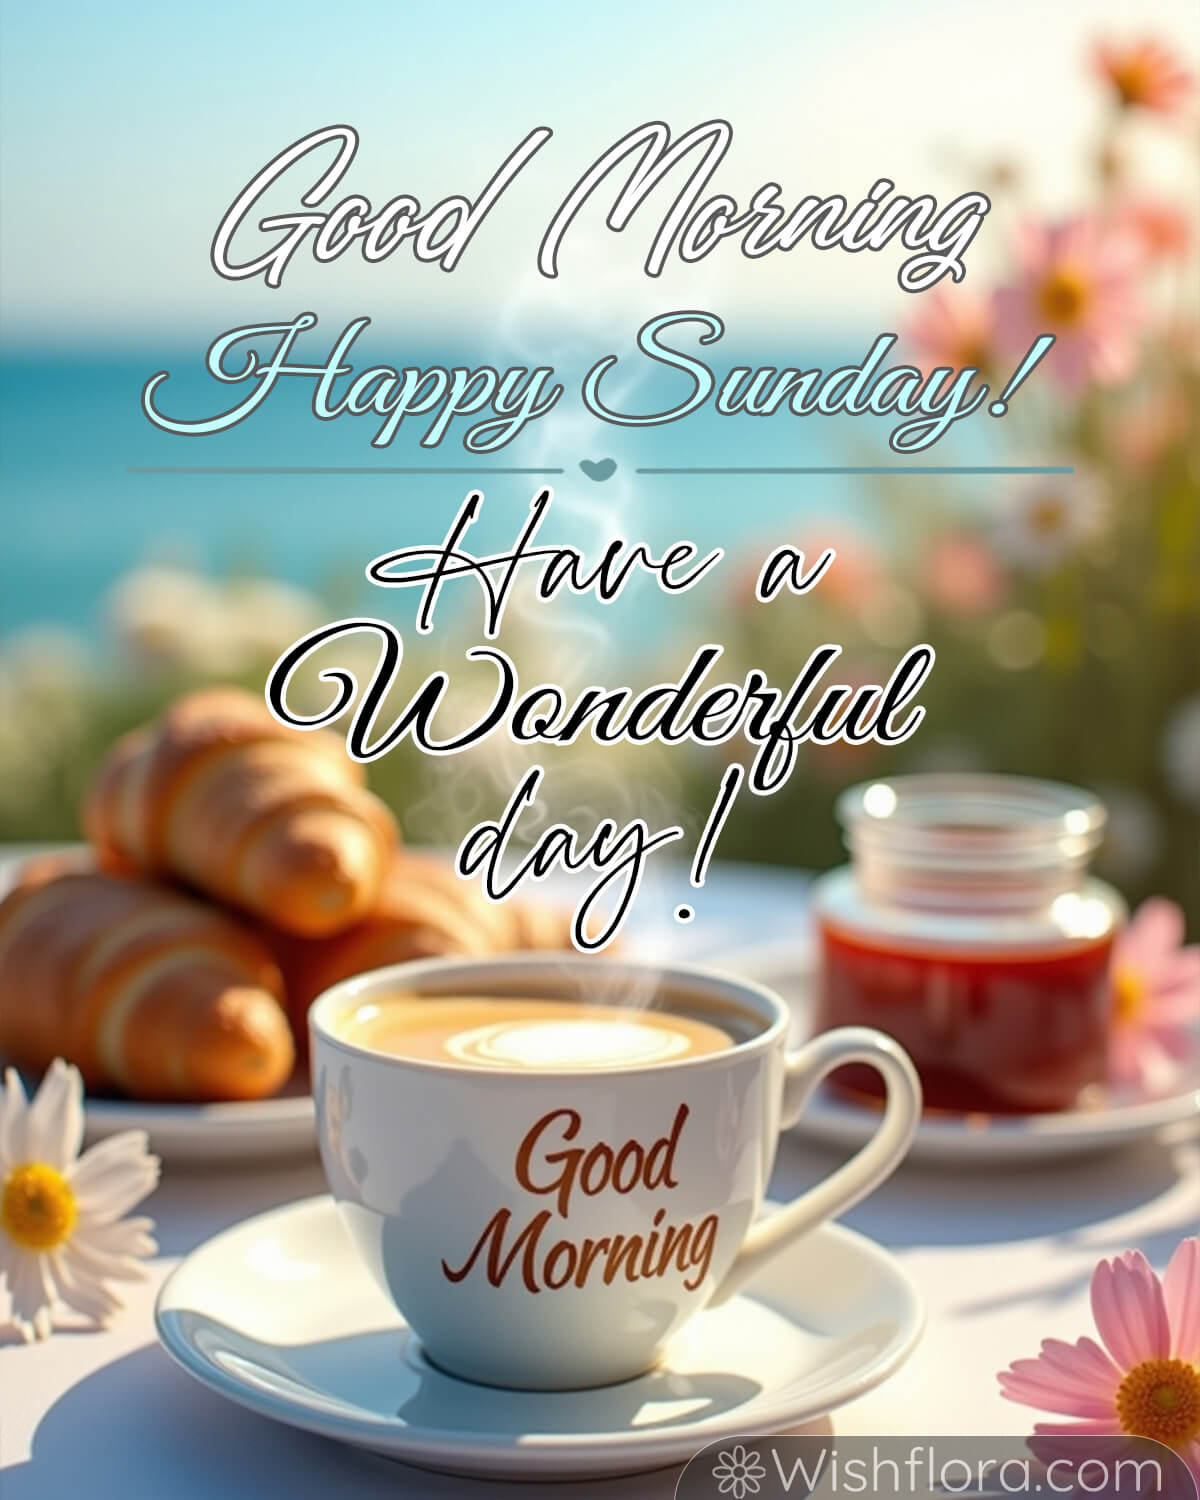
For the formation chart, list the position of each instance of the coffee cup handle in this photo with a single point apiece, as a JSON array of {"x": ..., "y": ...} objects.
[{"x": 864, "y": 1171}]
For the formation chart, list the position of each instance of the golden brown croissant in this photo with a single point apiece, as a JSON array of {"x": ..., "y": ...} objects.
[
  {"x": 270, "y": 819},
  {"x": 146, "y": 990},
  {"x": 424, "y": 911}
]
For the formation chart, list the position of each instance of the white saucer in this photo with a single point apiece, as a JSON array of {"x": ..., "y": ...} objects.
[
  {"x": 252, "y": 1314},
  {"x": 1122, "y": 1117}
]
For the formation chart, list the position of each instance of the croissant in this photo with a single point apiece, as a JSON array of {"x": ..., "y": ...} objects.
[
  {"x": 273, "y": 820},
  {"x": 424, "y": 911},
  {"x": 147, "y": 991}
]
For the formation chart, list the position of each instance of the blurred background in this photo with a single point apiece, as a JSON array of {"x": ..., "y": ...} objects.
[{"x": 1065, "y": 610}]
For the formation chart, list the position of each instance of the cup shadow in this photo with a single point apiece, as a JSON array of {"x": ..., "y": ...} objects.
[
  {"x": 384, "y": 1374},
  {"x": 141, "y": 1427}
]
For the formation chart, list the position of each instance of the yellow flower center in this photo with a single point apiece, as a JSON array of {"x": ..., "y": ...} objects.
[
  {"x": 973, "y": 353},
  {"x": 1132, "y": 79},
  {"x": 1063, "y": 297},
  {"x": 37, "y": 1207},
  {"x": 1129, "y": 996},
  {"x": 1160, "y": 1399}
]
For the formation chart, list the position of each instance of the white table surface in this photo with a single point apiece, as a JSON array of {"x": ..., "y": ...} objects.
[{"x": 1002, "y": 1258}]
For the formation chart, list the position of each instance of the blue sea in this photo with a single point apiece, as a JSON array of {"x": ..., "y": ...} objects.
[{"x": 76, "y": 519}]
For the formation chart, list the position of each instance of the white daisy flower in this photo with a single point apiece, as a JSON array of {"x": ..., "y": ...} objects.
[
  {"x": 62, "y": 1235},
  {"x": 1049, "y": 516}
]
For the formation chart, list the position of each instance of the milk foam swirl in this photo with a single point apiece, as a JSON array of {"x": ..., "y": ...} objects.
[{"x": 567, "y": 1043}]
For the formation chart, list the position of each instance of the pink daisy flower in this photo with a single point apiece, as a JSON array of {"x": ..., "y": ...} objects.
[
  {"x": 954, "y": 329},
  {"x": 1076, "y": 281},
  {"x": 1156, "y": 996},
  {"x": 1145, "y": 1380},
  {"x": 1144, "y": 75}
]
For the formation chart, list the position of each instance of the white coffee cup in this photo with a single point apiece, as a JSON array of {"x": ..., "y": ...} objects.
[{"x": 553, "y": 1229}]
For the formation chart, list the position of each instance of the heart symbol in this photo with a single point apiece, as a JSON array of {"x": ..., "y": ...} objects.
[{"x": 599, "y": 469}]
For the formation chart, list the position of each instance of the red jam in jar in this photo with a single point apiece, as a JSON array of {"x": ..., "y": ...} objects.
[{"x": 967, "y": 927}]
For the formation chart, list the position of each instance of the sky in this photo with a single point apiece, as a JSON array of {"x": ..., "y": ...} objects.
[{"x": 129, "y": 128}]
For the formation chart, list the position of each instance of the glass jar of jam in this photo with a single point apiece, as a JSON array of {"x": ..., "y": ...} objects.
[{"x": 967, "y": 927}]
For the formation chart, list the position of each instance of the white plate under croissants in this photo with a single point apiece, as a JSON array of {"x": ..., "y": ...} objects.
[{"x": 253, "y": 1130}]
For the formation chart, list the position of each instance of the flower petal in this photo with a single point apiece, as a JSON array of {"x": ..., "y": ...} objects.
[
  {"x": 31, "y": 1295},
  {"x": 1177, "y": 1005},
  {"x": 94, "y": 1302},
  {"x": 1150, "y": 945},
  {"x": 1083, "y": 1366},
  {"x": 54, "y": 1123},
  {"x": 1159, "y": 924},
  {"x": 78, "y": 1290},
  {"x": 1071, "y": 361},
  {"x": 1127, "y": 1303},
  {"x": 114, "y": 1175},
  {"x": 1175, "y": 1043},
  {"x": 102, "y": 1266},
  {"x": 1190, "y": 1453},
  {"x": 1078, "y": 1380},
  {"x": 12, "y": 1120},
  {"x": 1099, "y": 1427},
  {"x": 122, "y": 1237},
  {"x": 1126, "y": 1063},
  {"x": 1181, "y": 1293},
  {"x": 112, "y": 1147},
  {"x": 1181, "y": 970}
]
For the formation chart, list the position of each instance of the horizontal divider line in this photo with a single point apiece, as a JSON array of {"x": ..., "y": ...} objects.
[
  {"x": 700, "y": 469},
  {"x": 875, "y": 469},
  {"x": 324, "y": 469}
]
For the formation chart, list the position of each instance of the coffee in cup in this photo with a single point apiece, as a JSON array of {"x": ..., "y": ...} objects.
[{"x": 535, "y": 1034}]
